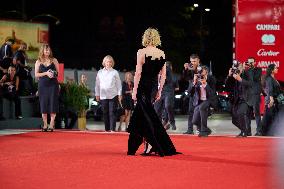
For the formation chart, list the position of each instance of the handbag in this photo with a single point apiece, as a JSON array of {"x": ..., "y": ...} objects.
[
  {"x": 119, "y": 110},
  {"x": 280, "y": 98}
]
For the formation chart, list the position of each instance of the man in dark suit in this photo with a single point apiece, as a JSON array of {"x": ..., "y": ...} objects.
[
  {"x": 166, "y": 103},
  {"x": 239, "y": 83},
  {"x": 255, "y": 92},
  {"x": 190, "y": 70},
  {"x": 6, "y": 55},
  {"x": 203, "y": 90}
]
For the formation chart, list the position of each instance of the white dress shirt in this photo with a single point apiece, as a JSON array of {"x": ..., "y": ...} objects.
[
  {"x": 108, "y": 84},
  {"x": 203, "y": 92}
]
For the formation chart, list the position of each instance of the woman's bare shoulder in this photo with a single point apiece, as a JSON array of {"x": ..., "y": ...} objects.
[
  {"x": 55, "y": 61},
  {"x": 38, "y": 62}
]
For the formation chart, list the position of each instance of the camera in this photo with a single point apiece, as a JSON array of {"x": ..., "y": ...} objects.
[
  {"x": 235, "y": 67},
  {"x": 189, "y": 66},
  {"x": 28, "y": 68},
  {"x": 199, "y": 73},
  {"x": 11, "y": 88}
]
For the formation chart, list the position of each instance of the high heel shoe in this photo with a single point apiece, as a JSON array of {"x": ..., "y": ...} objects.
[
  {"x": 50, "y": 129},
  {"x": 148, "y": 150},
  {"x": 44, "y": 129}
]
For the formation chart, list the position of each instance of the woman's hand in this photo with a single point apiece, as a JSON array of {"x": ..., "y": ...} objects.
[
  {"x": 271, "y": 102},
  {"x": 134, "y": 96},
  {"x": 49, "y": 74},
  {"x": 158, "y": 96}
]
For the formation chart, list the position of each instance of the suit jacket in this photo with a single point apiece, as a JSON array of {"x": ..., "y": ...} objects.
[
  {"x": 254, "y": 75},
  {"x": 240, "y": 90},
  {"x": 194, "y": 90}
]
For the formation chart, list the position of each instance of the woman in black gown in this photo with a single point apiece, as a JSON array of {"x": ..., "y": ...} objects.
[
  {"x": 149, "y": 79},
  {"x": 46, "y": 69},
  {"x": 272, "y": 106}
]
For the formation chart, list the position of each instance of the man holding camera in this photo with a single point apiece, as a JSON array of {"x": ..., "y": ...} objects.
[
  {"x": 191, "y": 69},
  {"x": 254, "y": 97},
  {"x": 203, "y": 91},
  {"x": 23, "y": 71},
  {"x": 239, "y": 82}
]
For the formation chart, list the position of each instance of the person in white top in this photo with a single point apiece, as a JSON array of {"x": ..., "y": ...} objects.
[{"x": 108, "y": 92}]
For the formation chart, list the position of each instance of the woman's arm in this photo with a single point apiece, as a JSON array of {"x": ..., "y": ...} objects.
[
  {"x": 3, "y": 79},
  {"x": 118, "y": 85},
  {"x": 97, "y": 87},
  {"x": 162, "y": 79},
  {"x": 138, "y": 71},
  {"x": 55, "y": 61},
  {"x": 17, "y": 83}
]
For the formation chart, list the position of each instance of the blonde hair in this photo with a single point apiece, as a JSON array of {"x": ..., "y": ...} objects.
[
  {"x": 108, "y": 57},
  {"x": 127, "y": 74},
  {"x": 151, "y": 36},
  {"x": 41, "y": 52}
]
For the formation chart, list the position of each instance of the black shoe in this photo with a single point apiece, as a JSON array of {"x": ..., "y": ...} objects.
[
  {"x": 19, "y": 117},
  {"x": 174, "y": 127},
  {"x": 242, "y": 134},
  {"x": 189, "y": 132},
  {"x": 44, "y": 129},
  {"x": 203, "y": 135},
  {"x": 209, "y": 131},
  {"x": 131, "y": 153},
  {"x": 248, "y": 134}
]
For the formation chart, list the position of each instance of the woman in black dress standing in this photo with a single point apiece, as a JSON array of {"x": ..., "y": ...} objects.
[
  {"x": 127, "y": 102},
  {"x": 46, "y": 70},
  {"x": 149, "y": 79}
]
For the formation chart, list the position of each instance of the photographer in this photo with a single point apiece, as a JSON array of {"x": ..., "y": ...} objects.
[
  {"x": 6, "y": 55},
  {"x": 254, "y": 97},
  {"x": 239, "y": 82},
  {"x": 10, "y": 84},
  {"x": 203, "y": 91},
  {"x": 188, "y": 73},
  {"x": 23, "y": 71}
]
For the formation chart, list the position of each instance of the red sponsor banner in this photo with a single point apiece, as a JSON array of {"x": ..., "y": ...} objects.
[
  {"x": 60, "y": 77},
  {"x": 259, "y": 32}
]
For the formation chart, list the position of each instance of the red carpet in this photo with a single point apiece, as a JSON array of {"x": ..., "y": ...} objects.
[{"x": 98, "y": 160}]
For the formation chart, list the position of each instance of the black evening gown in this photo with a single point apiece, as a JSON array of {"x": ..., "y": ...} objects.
[
  {"x": 144, "y": 122},
  {"x": 48, "y": 90}
]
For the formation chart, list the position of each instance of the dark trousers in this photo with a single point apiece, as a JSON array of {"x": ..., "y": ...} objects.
[
  {"x": 65, "y": 115},
  {"x": 240, "y": 116},
  {"x": 14, "y": 97},
  {"x": 268, "y": 119},
  {"x": 200, "y": 116},
  {"x": 255, "y": 109},
  {"x": 165, "y": 106},
  {"x": 190, "y": 114},
  {"x": 109, "y": 107}
]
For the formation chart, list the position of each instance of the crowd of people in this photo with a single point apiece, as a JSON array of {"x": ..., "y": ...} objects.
[
  {"x": 245, "y": 82},
  {"x": 15, "y": 76}
]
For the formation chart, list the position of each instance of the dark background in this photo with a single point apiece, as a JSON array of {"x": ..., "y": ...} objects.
[{"x": 90, "y": 30}]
